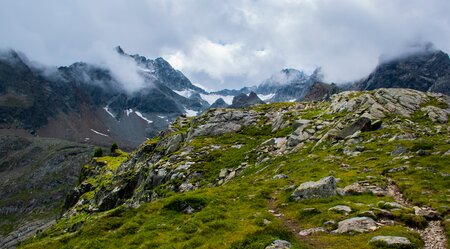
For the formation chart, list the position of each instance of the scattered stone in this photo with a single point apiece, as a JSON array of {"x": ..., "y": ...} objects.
[
  {"x": 355, "y": 188},
  {"x": 447, "y": 153},
  {"x": 230, "y": 176},
  {"x": 310, "y": 231},
  {"x": 223, "y": 173},
  {"x": 301, "y": 123},
  {"x": 269, "y": 142},
  {"x": 294, "y": 140},
  {"x": 356, "y": 225},
  {"x": 325, "y": 187},
  {"x": 185, "y": 187},
  {"x": 362, "y": 124},
  {"x": 266, "y": 222},
  {"x": 428, "y": 213},
  {"x": 390, "y": 242},
  {"x": 280, "y": 176},
  {"x": 341, "y": 209},
  {"x": 399, "y": 150},
  {"x": 279, "y": 244},
  {"x": 422, "y": 152},
  {"x": 398, "y": 169},
  {"x": 188, "y": 210},
  {"x": 360, "y": 148},
  {"x": 390, "y": 205},
  {"x": 369, "y": 214}
]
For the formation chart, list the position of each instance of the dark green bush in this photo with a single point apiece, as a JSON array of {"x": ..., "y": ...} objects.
[
  {"x": 114, "y": 147},
  {"x": 98, "y": 152},
  {"x": 180, "y": 203}
]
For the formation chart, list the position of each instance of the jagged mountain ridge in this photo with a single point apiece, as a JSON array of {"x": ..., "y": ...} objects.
[
  {"x": 287, "y": 85},
  {"x": 85, "y": 103},
  {"x": 424, "y": 70}
]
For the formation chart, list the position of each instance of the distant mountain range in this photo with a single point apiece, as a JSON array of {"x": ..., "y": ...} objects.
[{"x": 87, "y": 103}]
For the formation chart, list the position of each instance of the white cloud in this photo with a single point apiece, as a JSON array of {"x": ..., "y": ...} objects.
[
  {"x": 123, "y": 68},
  {"x": 218, "y": 60},
  {"x": 228, "y": 43}
]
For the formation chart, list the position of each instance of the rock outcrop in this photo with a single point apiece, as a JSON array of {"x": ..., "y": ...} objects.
[
  {"x": 325, "y": 187},
  {"x": 356, "y": 225},
  {"x": 384, "y": 102}
]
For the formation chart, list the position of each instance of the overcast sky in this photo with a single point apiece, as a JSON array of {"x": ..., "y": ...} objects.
[{"x": 227, "y": 44}]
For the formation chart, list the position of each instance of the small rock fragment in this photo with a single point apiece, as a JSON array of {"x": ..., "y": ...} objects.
[
  {"x": 279, "y": 244},
  {"x": 390, "y": 242},
  {"x": 341, "y": 209}
]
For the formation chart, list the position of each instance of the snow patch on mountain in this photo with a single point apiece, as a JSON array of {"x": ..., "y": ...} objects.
[
  {"x": 191, "y": 113},
  {"x": 266, "y": 97},
  {"x": 99, "y": 133},
  {"x": 128, "y": 112},
  {"x": 144, "y": 118},
  {"x": 185, "y": 93},
  {"x": 106, "y": 108}
]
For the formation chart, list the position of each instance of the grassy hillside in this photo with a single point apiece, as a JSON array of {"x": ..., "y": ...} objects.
[{"x": 226, "y": 179}]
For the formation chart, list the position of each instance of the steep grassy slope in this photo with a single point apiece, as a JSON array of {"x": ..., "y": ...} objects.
[
  {"x": 225, "y": 179},
  {"x": 35, "y": 175}
]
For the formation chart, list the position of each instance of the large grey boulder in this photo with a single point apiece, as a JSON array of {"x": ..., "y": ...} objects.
[
  {"x": 356, "y": 225},
  {"x": 325, "y": 187},
  {"x": 294, "y": 140},
  {"x": 390, "y": 242},
  {"x": 361, "y": 124},
  {"x": 279, "y": 244}
]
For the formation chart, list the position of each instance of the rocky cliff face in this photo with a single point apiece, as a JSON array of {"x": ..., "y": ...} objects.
[
  {"x": 427, "y": 70},
  {"x": 320, "y": 91},
  {"x": 365, "y": 164}
]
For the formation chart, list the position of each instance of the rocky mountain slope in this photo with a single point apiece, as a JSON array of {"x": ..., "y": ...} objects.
[
  {"x": 427, "y": 70},
  {"x": 367, "y": 169},
  {"x": 87, "y": 103},
  {"x": 35, "y": 175}
]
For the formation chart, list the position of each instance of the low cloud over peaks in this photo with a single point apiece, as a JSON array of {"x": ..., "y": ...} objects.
[
  {"x": 226, "y": 43},
  {"x": 123, "y": 68}
]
